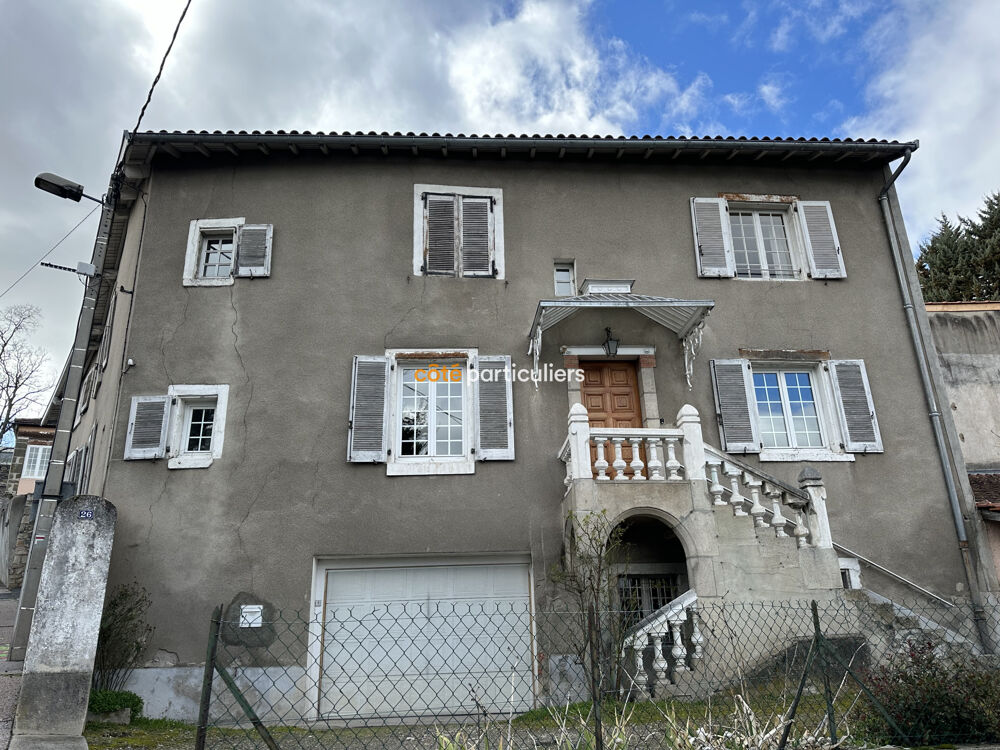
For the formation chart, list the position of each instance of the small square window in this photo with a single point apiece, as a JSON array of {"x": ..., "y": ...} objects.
[
  {"x": 216, "y": 261},
  {"x": 211, "y": 252},
  {"x": 36, "y": 461},
  {"x": 197, "y": 425},
  {"x": 199, "y": 420},
  {"x": 565, "y": 278}
]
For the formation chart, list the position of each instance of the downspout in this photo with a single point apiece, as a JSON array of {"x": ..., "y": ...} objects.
[{"x": 979, "y": 615}]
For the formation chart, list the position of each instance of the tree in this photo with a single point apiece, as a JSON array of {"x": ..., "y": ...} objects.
[
  {"x": 22, "y": 380},
  {"x": 961, "y": 262}
]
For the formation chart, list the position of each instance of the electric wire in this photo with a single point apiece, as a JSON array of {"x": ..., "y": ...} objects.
[{"x": 49, "y": 252}]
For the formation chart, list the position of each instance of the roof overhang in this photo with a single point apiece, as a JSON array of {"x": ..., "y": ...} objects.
[{"x": 684, "y": 317}]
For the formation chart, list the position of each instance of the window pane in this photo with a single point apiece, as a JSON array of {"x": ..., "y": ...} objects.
[
  {"x": 770, "y": 416},
  {"x": 414, "y": 415},
  {"x": 448, "y": 440},
  {"x": 802, "y": 405},
  {"x": 748, "y": 264},
  {"x": 200, "y": 429},
  {"x": 564, "y": 281},
  {"x": 216, "y": 257},
  {"x": 777, "y": 253}
]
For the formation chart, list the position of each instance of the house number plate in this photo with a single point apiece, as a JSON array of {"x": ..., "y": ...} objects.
[{"x": 86, "y": 513}]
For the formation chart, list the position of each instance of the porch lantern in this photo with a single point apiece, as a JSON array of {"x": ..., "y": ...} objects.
[{"x": 610, "y": 343}]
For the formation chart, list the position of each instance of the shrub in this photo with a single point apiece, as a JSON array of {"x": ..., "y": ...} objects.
[
  {"x": 933, "y": 699},
  {"x": 123, "y": 636},
  {"x": 107, "y": 701}
]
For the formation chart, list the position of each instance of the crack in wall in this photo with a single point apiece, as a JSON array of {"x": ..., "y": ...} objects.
[
  {"x": 163, "y": 340},
  {"x": 159, "y": 499},
  {"x": 419, "y": 305},
  {"x": 246, "y": 380},
  {"x": 246, "y": 516}
]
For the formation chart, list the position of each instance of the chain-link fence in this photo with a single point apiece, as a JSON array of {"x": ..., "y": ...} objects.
[{"x": 463, "y": 675}]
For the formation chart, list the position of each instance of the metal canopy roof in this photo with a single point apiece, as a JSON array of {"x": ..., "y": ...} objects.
[{"x": 684, "y": 317}]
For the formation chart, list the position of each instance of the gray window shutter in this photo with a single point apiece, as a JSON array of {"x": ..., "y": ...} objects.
[
  {"x": 147, "y": 427},
  {"x": 496, "y": 409},
  {"x": 477, "y": 236},
  {"x": 822, "y": 243},
  {"x": 712, "y": 243},
  {"x": 439, "y": 234},
  {"x": 736, "y": 405},
  {"x": 108, "y": 328},
  {"x": 854, "y": 403},
  {"x": 253, "y": 250},
  {"x": 366, "y": 436}
]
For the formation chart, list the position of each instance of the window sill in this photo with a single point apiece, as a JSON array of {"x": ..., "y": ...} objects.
[
  {"x": 190, "y": 461},
  {"x": 227, "y": 281},
  {"x": 430, "y": 467},
  {"x": 804, "y": 454}
]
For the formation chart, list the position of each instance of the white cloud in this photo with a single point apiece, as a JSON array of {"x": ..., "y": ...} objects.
[
  {"x": 740, "y": 102},
  {"x": 940, "y": 86},
  {"x": 773, "y": 95},
  {"x": 781, "y": 37},
  {"x": 687, "y": 105}
]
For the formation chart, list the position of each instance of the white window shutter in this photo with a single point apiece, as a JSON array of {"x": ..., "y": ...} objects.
[
  {"x": 366, "y": 436},
  {"x": 253, "y": 250},
  {"x": 477, "y": 236},
  {"x": 855, "y": 406},
  {"x": 147, "y": 427},
  {"x": 822, "y": 243},
  {"x": 736, "y": 405},
  {"x": 439, "y": 234},
  {"x": 713, "y": 244},
  {"x": 496, "y": 409},
  {"x": 108, "y": 328}
]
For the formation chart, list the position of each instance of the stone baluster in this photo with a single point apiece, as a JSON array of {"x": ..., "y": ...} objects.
[
  {"x": 697, "y": 639},
  {"x": 601, "y": 463},
  {"x": 637, "y": 656},
  {"x": 661, "y": 667},
  {"x": 578, "y": 464},
  {"x": 715, "y": 489},
  {"x": 654, "y": 465},
  {"x": 636, "y": 463},
  {"x": 673, "y": 465},
  {"x": 757, "y": 510},
  {"x": 819, "y": 522},
  {"x": 778, "y": 521},
  {"x": 619, "y": 462},
  {"x": 801, "y": 533},
  {"x": 689, "y": 422},
  {"x": 677, "y": 650},
  {"x": 735, "y": 498}
]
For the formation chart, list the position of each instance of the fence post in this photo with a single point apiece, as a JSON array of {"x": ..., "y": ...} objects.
[
  {"x": 825, "y": 666},
  {"x": 206, "y": 683},
  {"x": 595, "y": 677}
]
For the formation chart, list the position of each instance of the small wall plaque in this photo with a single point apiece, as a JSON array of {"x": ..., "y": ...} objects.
[{"x": 251, "y": 615}]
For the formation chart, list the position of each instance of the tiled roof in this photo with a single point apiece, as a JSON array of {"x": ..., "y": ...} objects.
[{"x": 986, "y": 490}]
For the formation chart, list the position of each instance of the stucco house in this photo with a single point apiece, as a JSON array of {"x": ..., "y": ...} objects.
[{"x": 351, "y": 369}]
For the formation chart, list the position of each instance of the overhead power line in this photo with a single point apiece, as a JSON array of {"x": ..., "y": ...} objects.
[{"x": 163, "y": 62}]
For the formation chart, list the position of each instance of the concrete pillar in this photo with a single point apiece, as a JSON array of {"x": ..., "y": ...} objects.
[
  {"x": 694, "y": 444},
  {"x": 647, "y": 389},
  {"x": 59, "y": 661},
  {"x": 819, "y": 523}
]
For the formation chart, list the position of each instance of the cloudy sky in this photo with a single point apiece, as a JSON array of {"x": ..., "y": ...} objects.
[{"x": 74, "y": 73}]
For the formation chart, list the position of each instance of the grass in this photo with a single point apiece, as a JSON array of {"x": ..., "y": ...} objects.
[{"x": 141, "y": 733}]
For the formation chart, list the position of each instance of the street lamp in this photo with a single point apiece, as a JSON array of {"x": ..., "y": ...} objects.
[{"x": 53, "y": 183}]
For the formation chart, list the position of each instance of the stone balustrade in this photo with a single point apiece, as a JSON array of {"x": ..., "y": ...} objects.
[{"x": 664, "y": 645}]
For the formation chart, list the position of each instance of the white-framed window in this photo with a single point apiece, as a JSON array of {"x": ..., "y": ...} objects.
[
  {"x": 458, "y": 231},
  {"x": 850, "y": 572},
  {"x": 36, "y": 461},
  {"x": 766, "y": 237},
  {"x": 219, "y": 250},
  {"x": 187, "y": 426},
  {"x": 796, "y": 411},
  {"x": 564, "y": 278},
  {"x": 421, "y": 413}
]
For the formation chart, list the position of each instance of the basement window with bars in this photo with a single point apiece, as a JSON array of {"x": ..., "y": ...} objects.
[
  {"x": 219, "y": 250},
  {"x": 458, "y": 231},
  {"x": 186, "y": 426},
  {"x": 641, "y": 595}
]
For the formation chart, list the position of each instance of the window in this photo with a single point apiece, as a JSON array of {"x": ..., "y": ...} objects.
[
  {"x": 36, "y": 461},
  {"x": 796, "y": 411},
  {"x": 458, "y": 231},
  {"x": 766, "y": 237},
  {"x": 219, "y": 250},
  {"x": 850, "y": 572},
  {"x": 421, "y": 414},
  {"x": 187, "y": 426},
  {"x": 642, "y": 595},
  {"x": 565, "y": 278}
]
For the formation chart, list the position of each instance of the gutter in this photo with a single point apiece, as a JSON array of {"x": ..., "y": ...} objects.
[{"x": 933, "y": 412}]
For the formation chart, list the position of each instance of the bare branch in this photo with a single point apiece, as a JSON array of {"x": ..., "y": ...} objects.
[{"x": 22, "y": 365}]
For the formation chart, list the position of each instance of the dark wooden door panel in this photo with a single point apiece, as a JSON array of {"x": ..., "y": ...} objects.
[{"x": 610, "y": 391}]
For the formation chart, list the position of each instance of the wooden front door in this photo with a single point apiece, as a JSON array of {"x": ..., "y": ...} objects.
[{"x": 610, "y": 391}]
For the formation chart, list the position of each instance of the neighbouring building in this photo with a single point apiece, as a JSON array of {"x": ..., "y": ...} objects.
[
  {"x": 359, "y": 370},
  {"x": 967, "y": 338},
  {"x": 30, "y": 459}
]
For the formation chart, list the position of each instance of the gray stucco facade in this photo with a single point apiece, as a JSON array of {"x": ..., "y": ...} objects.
[{"x": 281, "y": 495}]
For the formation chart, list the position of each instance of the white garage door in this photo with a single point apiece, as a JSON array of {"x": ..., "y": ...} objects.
[{"x": 426, "y": 640}]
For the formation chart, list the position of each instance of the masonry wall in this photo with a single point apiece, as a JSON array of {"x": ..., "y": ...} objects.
[{"x": 341, "y": 284}]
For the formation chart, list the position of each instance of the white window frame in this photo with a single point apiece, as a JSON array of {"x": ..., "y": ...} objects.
[
  {"x": 852, "y": 567},
  {"x": 197, "y": 232},
  {"x": 825, "y": 407},
  {"x": 43, "y": 467},
  {"x": 398, "y": 465},
  {"x": 476, "y": 192},
  {"x": 182, "y": 399},
  {"x": 564, "y": 265},
  {"x": 796, "y": 243}
]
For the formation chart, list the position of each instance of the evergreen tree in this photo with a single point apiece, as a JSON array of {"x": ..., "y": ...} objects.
[{"x": 961, "y": 262}]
